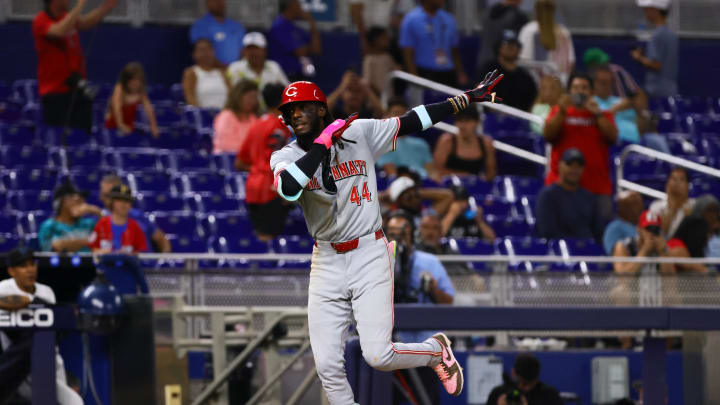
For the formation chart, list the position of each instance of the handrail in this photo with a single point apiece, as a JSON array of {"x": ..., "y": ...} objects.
[
  {"x": 443, "y": 258},
  {"x": 626, "y": 184}
]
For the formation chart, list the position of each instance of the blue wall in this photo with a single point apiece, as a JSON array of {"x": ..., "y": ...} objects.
[{"x": 165, "y": 52}]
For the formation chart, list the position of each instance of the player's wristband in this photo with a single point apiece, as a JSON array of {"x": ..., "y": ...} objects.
[
  {"x": 297, "y": 174},
  {"x": 422, "y": 113}
]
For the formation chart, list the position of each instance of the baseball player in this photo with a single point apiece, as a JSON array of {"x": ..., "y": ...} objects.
[{"x": 330, "y": 170}]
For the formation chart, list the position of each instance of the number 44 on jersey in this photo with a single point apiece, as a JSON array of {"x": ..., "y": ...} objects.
[{"x": 356, "y": 198}]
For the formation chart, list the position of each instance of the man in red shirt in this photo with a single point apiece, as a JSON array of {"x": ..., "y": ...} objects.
[
  {"x": 268, "y": 134},
  {"x": 118, "y": 232},
  {"x": 61, "y": 64},
  {"x": 577, "y": 122}
]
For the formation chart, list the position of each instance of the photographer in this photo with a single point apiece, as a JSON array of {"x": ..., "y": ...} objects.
[
  {"x": 524, "y": 388},
  {"x": 66, "y": 98},
  {"x": 578, "y": 122},
  {"x": 419, "y": 278}
]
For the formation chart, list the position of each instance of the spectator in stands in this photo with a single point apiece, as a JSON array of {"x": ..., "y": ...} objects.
[
  {"x": 267, "y": 210},
  {"x": 692, "y": 236},
  {"x": 234, "y": 121},
  {"x": 404, "y": 194},
  {"x": 621, "y": 108},
  {"x": 465, "y": 219},
  {"x": 117, "y": 232},
  {"x": 354, "y": 95},
  {"x": 623, "y": 84},
  {"x": 565, "y": 209},
  {"x": 255, "y": 66},
  {"x": 204, "y": 84},
  {"x": 647, "y": 126},
  {"x": 377, "y": 62},
  {"x": 550, "y": 92},
  {"x": 429, "y": 39},
  {"x": 547, "y": 41},
  {"x": 578, "y": 122},
  {"x": 502, "y": 16},
  {"x": 629, "y": 206},
  {"x": 129, "y": 93},
  {"x": 156, "y": 240},
  {"x": 292, "y": 46},
  {"x": 66, "y": 98},
  {"x": 526, "y": 378},
  {"x": 660, "y": 58},
  {"x": 73, "y": 222},
  {"x": 384, "y": 14},
  {"x": 225, "y": 34},
  {"x": 518, "y": 89},
  {"x": 422, "y": 279},
  {"x": 412, "y": 152},
  {"x": 678, "y": 205},
  {"x": 431, "y": 241},
  {"x": 467, "y": 153},
  {"x": 17, "y": 293},
  {"x": 647, "y": 243}
]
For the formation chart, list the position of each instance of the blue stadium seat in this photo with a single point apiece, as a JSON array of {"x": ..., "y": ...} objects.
[
  {"x": 150, "y": 180},
  {"x": 708, "y": 124},
  {"x": 17, "y": 135},
  {"x": 681, "y": 144},
  {"x": 691, "y": 105},
  {"x": 31, "y": 113},
  {"x": 88, "y": 158},
  {"x": 132, "y": 140},
  {"x": 8, "y": 242},
  {"x": 525, "y": 246},
  {"x": 30, "y": 179},
  {"x": 640, "y": 166},
  {"x": 474, "y": 246},
  {"x": 175, "y": 139},
  {"x": 25, "y": 201},
  {"x": 495, "y": 206},
  {"x": 25, "y": 90},
  {"x": 131, "y": 161},
  {"x": 158, "y": 92},
  {"x": 185, "y": 160},
  {"x": 295, "y": 223},
  {"x": 525, "y": 206},
  {"x": 185, "y": 243},
  {"x": 206, "y": 182},
  {"x": 662, "y": 105},
  {"x": 15, "y": 156},
  {"x": 512, "y": 187},
  {"x": 176, "y": 223},
  {"x": 238, "y": 244},
  {"x": 73, "y": 138},
  {"x": 667, "y": 123},
  {"x": 161, "y": 201},
  {"x": 176, "y": 93},
  {"x": 509, "y": 226},
  {"x": 229, "y": 224},
  {"x": 87, "y": 179},
  {"x": 224, "y": 162},
  {"x": 200, "y": 119},
  {"x": 10, "y": 111},
  {"x": 473, "y": 184},
  {"x": 494, "y": 123},
  {"x": 9, "y": 224},
  {"x": 215, "y": 203},
  {"x": 579, "y": 247},
  {"x": 702, "y": 186},
  {"x": 508, "y": 164},
  {"x": 30, "y": 222},
  {"x": 293, "y": 245}
]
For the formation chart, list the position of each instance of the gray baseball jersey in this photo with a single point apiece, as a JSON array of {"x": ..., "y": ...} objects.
[{"x": 354, "y": 210}]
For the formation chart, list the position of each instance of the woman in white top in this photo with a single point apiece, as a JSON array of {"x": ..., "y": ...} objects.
[
  {"x": 205, "y": 84},
  {"x": 547, "y": 41}
]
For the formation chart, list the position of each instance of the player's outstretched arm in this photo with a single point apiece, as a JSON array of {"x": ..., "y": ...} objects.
[
  {"x": 291, "y": 181},
  {"x": 423, "y": 117}
]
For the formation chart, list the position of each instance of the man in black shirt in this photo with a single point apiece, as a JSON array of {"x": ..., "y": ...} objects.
[
  {"x": 566, "y": 210},
  {"x": 526, "y": 373},
  {"x": 519, "y": 89}
]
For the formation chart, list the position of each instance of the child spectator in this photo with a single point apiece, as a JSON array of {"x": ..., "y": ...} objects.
[
  {"x": 73, "y": 222},
  {"x": 232, "y": 124},
  {"x": 117, "y": 232},
  {"x": 467, "y": 153},
  {"x": 545, "y": 40},
  {"x": 354, "y": 95},
  {"x": 550, "y": 92},
  {"x": 621, "y": 108},
  {"x": 204, "y": 84},
  {"x": 129, "y": 93},
  {"x": 378, "y": 62},
  {"x": 267, "y": 210}
]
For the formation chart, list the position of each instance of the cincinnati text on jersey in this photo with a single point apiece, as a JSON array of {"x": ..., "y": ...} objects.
[{"x": 349, "y": 169}]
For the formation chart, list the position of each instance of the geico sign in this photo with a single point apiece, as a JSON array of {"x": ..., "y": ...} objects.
[{"x": 27, "y": 318}]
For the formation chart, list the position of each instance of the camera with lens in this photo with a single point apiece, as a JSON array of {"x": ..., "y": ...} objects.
[
  {"x": 404, "y": 293},
  {"x": 514, "y": 397},
  {"x": 579, "y": 99}
]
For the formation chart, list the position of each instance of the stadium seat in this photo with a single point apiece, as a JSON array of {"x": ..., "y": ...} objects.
[
  {"x": 638, "y": 166},
  {"x": 512, "y": 187},
  {"x": 176, "y": 223},
  {"x": 200, "y": 119},
  {"x": 158, "y": 92},
  {"x": 525, "y": 246},
  {"x": 17, "y": 135},
  {"x": 238, "y": 244},
  {"x": 215, "y": 203},
  {"x": 493, "y": 123},
  {"x": 228, "y": 224},
  {"x": 31, "y": 113},
  {"x": 175, "y": 139},
  {"x": 525, "y": 206},
  {"x": 30, "y": 223},
  {"x": 25, "y": 201},
  {"x": 161, "y": 201},
  {"x": 702, "y": 186},
  {"x": 293, "y": 245},
  {"x": 84, "y": 158},
  {"x": 473, "y": 184},
  {"x": 185, "y": 160},
  {"x": 224, "y": 162},
  {"x": 25, "y": 90},
  {"x": 567, "y": 248},
  {"x": 186, "y": 243},
  {"x": 708, "y": 124},
  {"x": 509, "y": 226},
  {"x": 206, "y": 182},
  {"x": 495, "y": 206},
  {"x": 667, "y": 123},
  {"x": 691, "y": 105},
  {"x": 30, "y": 179},
  {"x": 295, "y": 223},
  {"x": 176, "y": 93},
  {"x": 132, "y": 161},
  {"x": 8, "y": 242},
  {"x": 73, "y": 137},
  {"x": 10, "y": 112},
  {"x": 88, "y": 180},
  {"x": 132, "y": 140},
  {"x": 9, "y": 224},
  {"x": 152, "y": 181},
  {"x": 474, "y": 246},
  {"x": 25, "y": 156}
]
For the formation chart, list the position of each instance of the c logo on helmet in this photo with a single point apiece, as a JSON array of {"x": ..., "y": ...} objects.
[
  {"x": 291, "y": 91},
  {"x": 315, "y": 95}
]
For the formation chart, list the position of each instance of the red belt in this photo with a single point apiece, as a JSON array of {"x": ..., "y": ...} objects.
[{"x": 344, "y": 247}]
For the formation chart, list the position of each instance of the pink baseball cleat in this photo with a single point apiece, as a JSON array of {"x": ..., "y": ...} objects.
[{"x": 449, "y": 370}]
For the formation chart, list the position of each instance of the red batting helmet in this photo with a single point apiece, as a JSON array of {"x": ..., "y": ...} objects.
[{"x": 302, "y": 91}]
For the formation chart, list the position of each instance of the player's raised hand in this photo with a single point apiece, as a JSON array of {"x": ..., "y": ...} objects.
[
  {"x": 334, "y": 131},
  {"x": 483, "y": 91}
]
